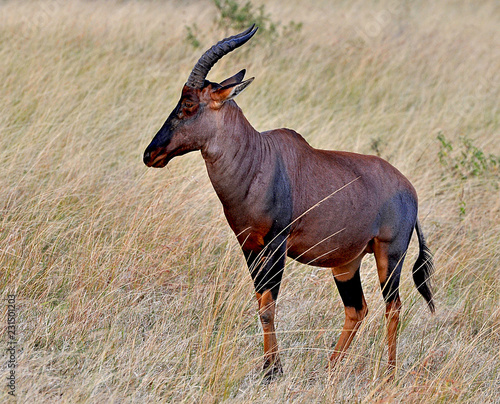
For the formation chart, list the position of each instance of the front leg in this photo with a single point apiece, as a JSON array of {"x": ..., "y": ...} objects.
[
  {"x": 267, "y": 307},
  {"x": 266, "y": 269}
]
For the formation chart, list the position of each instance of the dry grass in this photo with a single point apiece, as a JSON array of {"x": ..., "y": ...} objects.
[{"x": 130, "y": 285}]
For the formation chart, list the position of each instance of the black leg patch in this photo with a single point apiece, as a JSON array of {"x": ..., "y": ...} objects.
[
  {"x": 390, "y": 288},
  {"x": 267, "y": 269},
  {"x": 351, "y": 292}
]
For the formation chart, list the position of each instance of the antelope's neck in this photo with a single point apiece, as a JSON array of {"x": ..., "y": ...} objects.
[{"x": 233, "y": 157}]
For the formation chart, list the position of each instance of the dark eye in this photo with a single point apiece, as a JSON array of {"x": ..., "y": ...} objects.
[{"x": 188, "y": 104}]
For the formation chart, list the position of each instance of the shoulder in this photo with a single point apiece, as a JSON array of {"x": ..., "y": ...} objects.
[{"x": 286, "y": 135}]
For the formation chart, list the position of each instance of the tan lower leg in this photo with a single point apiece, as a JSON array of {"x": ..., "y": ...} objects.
[
  {"x": 267, "y": 308},
  {"x": 392, "y": 310},
  {"x": 353, "y": 319}
]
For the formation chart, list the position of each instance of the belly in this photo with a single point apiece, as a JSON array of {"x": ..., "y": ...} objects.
[{"x": 327, "y": 249}]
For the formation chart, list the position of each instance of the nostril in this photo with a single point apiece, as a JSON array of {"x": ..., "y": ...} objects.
[{"x": 147, "y": 157}]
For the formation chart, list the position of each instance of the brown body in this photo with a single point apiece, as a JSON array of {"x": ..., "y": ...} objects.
[
  {"x": 350, "y": 199},
  {"x": 283, "y": 197}
]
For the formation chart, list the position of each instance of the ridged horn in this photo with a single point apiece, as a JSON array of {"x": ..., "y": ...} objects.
[{"x": 214, "y": 54}]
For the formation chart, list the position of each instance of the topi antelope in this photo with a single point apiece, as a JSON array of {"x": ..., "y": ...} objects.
[{"x": 283, "y": 197}]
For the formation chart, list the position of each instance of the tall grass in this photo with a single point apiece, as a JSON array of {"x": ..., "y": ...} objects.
[{"x": 130, "y": 285}]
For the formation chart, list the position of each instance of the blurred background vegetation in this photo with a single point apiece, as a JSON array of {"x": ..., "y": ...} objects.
[{"x": 131, "y": 286}]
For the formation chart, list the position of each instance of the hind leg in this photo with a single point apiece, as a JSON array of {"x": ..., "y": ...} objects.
[
  {"x": 389, "y": 257},
  {"x": 348, "y": 283}
]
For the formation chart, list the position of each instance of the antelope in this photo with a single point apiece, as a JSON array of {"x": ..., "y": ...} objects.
[{"x": 282, "y": 197}]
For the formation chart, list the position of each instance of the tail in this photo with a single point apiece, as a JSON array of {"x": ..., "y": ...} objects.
[{"x": 423, "y": 269}]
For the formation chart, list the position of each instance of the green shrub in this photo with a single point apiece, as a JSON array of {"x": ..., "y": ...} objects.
[
  {"x": 466, "y": 160},
  {"x": 236, "y": 16}
]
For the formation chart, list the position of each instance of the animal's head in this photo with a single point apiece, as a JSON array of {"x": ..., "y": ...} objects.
[{"x": 195, "y": 117}]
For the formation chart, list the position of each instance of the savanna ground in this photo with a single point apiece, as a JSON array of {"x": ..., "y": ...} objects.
[{"x": 130, "y": 286}]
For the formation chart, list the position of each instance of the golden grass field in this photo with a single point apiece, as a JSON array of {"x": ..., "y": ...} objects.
[{"x": 130, "y": 285}]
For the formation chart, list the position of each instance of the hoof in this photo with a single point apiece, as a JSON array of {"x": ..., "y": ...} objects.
[
  {"x": 271, "y": 371},
  {"x": 332, "y": 366},
  {"x": 390, "y": 373}
]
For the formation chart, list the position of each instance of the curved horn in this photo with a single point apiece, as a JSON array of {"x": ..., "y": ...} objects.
[{"x": 214, "y": 54}]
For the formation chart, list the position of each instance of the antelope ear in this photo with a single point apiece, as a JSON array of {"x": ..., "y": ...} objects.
[
  {"x": 237, "y": 78},
  {"x": 222, "y": 94}
]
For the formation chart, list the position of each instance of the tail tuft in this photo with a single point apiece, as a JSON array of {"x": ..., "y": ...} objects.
[{"x": 423, "y": 270}]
